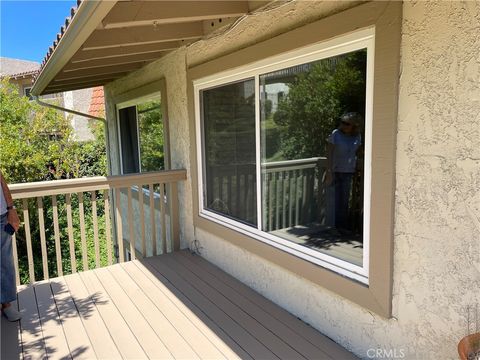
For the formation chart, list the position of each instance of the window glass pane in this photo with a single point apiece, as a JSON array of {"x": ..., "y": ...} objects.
[
  {"x": 311, "y": 122},
  {"x": 229, "y": 140},
  {"x": 150, "y": 131},
  {"x": 129, "y": 140}
]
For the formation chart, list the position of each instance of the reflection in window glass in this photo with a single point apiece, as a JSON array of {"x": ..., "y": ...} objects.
[
  {"x": 129, "y": 139},
  {"x": 150, "y": 130},
  {"x": 141, "y": 137},
  {"x": 229, "y": 140},
  {"x": 312, "y": 155}
]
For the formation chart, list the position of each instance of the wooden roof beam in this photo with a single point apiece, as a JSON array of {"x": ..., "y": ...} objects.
[
  {"x": 86, "y": 80},
  {"x": 119, "y": 52},
  {"x": 111, "y": 38},
  {"x": 105, "y": 70},
  {"x": 142, "y": 13},
  {"x": 114, "y": 61},
  {"x": 73, "y": 86}
]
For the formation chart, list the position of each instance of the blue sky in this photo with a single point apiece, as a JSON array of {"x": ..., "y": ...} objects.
[{"x": 28, "y": 28}]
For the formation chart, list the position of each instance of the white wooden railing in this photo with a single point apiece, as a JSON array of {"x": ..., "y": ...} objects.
[{"x": 114, "y": 196}]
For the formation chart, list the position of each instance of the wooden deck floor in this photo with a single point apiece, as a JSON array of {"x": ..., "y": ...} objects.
[{"x": 170, "y": 306}]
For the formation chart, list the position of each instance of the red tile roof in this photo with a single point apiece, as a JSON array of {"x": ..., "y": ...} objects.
[{"x": 97, "y": 102}]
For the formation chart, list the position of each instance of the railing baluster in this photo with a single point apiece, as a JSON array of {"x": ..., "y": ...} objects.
[
  {"x": 168, "y": 209},
  {"x": 43, "y": 241},
  {"x": 277, "y": 201},
  {"x": 118, "y": 211},
  {"x": 73, "y": 260},
  {"x": 163, "y": 219},
  {"x": 28, "y": 238},
  {"x": 175, "y": 225},
  {"x": 56, "y": 231},
  {"x": 130, "y": 223},
  {"x": 291, "y": 197},
  {"x": 297, "y": 198},
  {"x": 152, "y": 221},
  {"x": 83, "y": 236},
  {"x": 95, "y": 229},
  {"x": 271, "y": 183},
  {"x": 142, "y": 219},
  {"x": 107, "y": 227},
  {"x": 304, "y": 197},
  {"x": 284, "y": 199},
  {"x": 15, "y": 259}
]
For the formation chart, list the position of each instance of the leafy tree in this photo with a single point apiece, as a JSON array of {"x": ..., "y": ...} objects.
[
  {"x": 316, "y": 99},
  {"x": 151, "y": 136},
  {"x": 31, "y": 136}
]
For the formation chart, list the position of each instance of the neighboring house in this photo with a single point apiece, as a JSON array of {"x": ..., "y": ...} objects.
[
  {"x": 399, "y": 281},
  {"x": 21, "y": 74}
]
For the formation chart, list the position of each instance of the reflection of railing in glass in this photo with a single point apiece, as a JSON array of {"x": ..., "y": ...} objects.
[
  {"x": 292, "y": 191},
  {"x": 289, "y": 187},
  {"x": 232, "y": 191}
]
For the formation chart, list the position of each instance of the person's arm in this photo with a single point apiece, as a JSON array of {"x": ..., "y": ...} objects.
[{"x": 12, "y": 216}]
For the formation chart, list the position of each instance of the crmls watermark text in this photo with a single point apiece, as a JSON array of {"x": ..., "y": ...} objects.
[{"x": 386, "y": 353}]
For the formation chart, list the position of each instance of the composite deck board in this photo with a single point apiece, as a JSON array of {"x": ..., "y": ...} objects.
[
  {"x": 77, "y": 338},
  {"x": 243, "y": 343},
  {"x": 54, "y": 337},
  {"x": 306, "y": 331},
  {"x": 186, "y": 327},
  {"x": 242, "y": 316},
  {"x": 97, "y": 331},
  {"x": 290, "y": 337},
  {"x": 33, "y": 344},
  {"x": 176, "y": 306},
  {"x": 172, "y": 339},
  {"x": 11, "y": 342},
  {"x": 242, "y": 337},
  {"x": 214, "y": 334},
  {"x": 147, "y": 338},
  {"x": 126, "y": 342}
]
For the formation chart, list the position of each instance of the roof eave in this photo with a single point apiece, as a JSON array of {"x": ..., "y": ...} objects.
[{"x": 87, "y": 17}]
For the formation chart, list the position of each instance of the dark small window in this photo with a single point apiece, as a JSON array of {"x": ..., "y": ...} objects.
[
  {"x": 142, "y": 137},
  {"x": 129, "y": 140},
  {"x": 26, "y": 92}
]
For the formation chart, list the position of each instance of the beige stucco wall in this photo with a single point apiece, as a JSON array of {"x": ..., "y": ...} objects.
[
  {"x": 437, "y": 225},
  {"x": 173, "y": 69}
]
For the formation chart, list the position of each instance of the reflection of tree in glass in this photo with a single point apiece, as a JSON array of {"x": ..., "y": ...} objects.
[
  {"x": 316, "y": 99},
  {"x": 151, "y": 136},
  {"x": 230, "y": 124}
]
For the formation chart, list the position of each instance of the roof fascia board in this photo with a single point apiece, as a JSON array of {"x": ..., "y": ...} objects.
[{"x": 89, "y": 14}]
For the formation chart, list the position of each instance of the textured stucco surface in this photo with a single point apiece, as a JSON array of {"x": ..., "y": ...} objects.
[
  {"x": 79, "y": 100},
  {"x": 437, "y": 225},
  {"x": 173, "y": 69}
]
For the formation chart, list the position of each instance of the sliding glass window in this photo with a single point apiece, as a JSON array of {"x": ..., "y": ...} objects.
[
  {"x": 283, "y": 153},
  {"x": 312, "y": 155}
]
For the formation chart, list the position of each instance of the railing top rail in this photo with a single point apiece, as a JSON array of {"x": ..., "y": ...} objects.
[
  {"x": 56, "y": 187},
  {"x": 308, "y": 161}
]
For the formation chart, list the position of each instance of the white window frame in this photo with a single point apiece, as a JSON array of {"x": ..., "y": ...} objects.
[
  {"x": 357, "y": 40},
  {"x": 130, "y": 103}
]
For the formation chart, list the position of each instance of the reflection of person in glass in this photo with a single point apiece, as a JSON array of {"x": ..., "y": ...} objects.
[{"x": 343, "y": 144}]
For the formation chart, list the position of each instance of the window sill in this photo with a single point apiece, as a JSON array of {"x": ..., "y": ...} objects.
[{"x": 331, "y": 263}]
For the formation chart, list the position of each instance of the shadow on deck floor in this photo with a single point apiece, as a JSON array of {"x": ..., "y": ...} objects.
[{"x": 170, "y": 306}]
